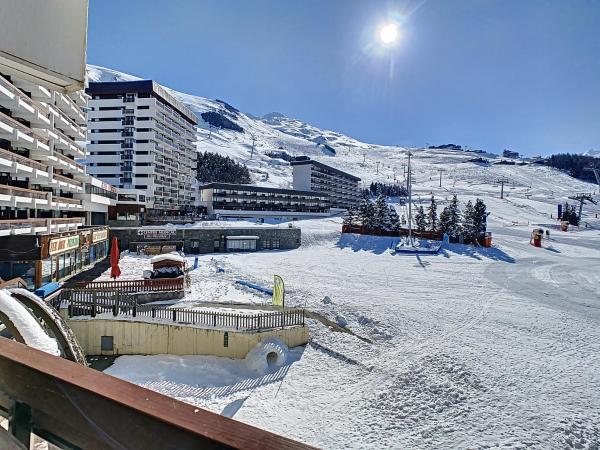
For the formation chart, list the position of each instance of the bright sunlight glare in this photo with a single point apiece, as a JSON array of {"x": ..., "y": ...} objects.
[{"x": 388, "y": 33}]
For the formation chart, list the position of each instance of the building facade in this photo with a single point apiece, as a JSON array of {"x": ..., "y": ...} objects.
[
  {"x": 341, "y": 187},
  {"x": 243, "y": 200},
  {"x": 143, "y": 141}
]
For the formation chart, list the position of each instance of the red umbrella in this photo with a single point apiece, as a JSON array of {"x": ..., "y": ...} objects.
[{"x": 114, "y": 259}]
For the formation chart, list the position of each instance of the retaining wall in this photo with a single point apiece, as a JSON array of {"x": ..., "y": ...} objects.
[{"x": 146, "y": 338}]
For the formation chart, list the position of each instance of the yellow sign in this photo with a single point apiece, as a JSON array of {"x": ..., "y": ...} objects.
[
  {"x": 278, "y": 291},
  {"x": 63, "y": 244},
  {"x": 99, "y": 235}
]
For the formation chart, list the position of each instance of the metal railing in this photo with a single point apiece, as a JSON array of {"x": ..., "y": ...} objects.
[{"x": 122, "y": 304}]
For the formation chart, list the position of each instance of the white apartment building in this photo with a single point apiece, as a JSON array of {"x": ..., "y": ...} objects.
[
  {"x": 42, "y": 186},
  {"x": 341, "y": 187},
  {"x": 143, "y": 141}
]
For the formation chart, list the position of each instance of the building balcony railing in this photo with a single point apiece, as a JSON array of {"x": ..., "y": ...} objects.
[
  {"x": 39, "y": 223},
  {"x": 67, "y": 160},
  {"x": 67, "y": 180},
  {"x": 23, "y": 129},
  {"x": 22, "y": 192},
  {"x": 69, "y": 201},
  {"x": 11, "y": 156}
]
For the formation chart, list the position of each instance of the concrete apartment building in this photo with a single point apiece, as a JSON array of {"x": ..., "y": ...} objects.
[
  {"x": 341, "y": 187},
  {"x": 244, "y": 200},
  {"x": 48, "y": 204},
  {"x": 143, "y": 141}
]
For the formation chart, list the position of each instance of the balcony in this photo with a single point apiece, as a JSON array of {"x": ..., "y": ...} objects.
[
  {"x": 64, "y": 142},
  {"x": 22, "y": 106},
  {"x": 30, "y": 226},
  {"x": 66, "y": 183},
  {"x": 66, "y": 203},
  {"x": 24, "y": 167},
  {"x": 21, "y": 135},
  {"x": 66, "y": 123},
  {"x": 16, "y": 197},
  {"x": 69, "y": 107}
]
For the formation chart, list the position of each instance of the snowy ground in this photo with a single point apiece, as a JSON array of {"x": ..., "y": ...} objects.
[{"x": 470, "y": 348}]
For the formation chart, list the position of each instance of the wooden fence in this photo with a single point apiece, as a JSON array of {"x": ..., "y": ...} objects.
[
  {"x": 91, "y": 303},
  {"x": 156, "y": 285}
]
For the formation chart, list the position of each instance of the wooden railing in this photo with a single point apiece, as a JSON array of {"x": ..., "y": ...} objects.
[
  {"x": 68, "y": 139},
  {"x": 68, "y": 180},
  {"x": 157, "y": 285},
  {"x": 68, "y": 160},
  {"x": 91, "y": 302},
  {"x": 70, "y": 201},
  {"x": 25, "y": 130},
  {"x": 22, "y": 160},
  {"x": 22, "y": 192},
  {"x": 72, "y": 406},
  {"x": 44, "y": 110}
]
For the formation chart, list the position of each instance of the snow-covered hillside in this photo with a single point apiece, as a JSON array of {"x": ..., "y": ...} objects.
[{"x": 465, "y": 172}]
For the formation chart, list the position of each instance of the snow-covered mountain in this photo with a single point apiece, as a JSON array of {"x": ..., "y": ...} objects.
[{"x": 466, "y": 173}]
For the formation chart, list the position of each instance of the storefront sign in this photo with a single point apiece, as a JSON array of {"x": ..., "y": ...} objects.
[
  {"x": 63, "y": 244},
  {"x": 99, "y": 235},
  {"x": 157, "y": 234}
]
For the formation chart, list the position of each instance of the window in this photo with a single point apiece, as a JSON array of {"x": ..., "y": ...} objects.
[{"x": 226, "y": 339}]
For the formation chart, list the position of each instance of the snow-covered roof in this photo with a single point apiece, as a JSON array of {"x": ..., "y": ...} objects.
[{"x": 168, "y": 257}]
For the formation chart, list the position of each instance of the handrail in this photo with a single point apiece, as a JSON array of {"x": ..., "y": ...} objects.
[
  {"x": 66, "y": 220},
  {"x": 68, "y": 180},
  {"x": 68, "y": 160},
  {"x": 28, "y": 131},
  {"x": 4, "y": 224},
  {"x": 163, "y": 284},
  {"x": 22, "y": 192},
  {"x": 16, "y": 91},
  {"x": 71, "y": 201},
  {"x": 64, "y": 115},
  {"x": 23, "y": 159},
  {"x": 74, "y": 406}
]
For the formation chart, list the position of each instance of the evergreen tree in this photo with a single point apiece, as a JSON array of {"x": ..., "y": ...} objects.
[
  {"x": 479, "y": 218},
  {"x": 366, "y": 213},
  {"x": 393, "y": 221},
  {"x": 468, "y": 226},
  {"x": 212, "y": 167},
  {"x": 381, "y": 212},
  {"x": 421, "y": 219},
  {"x": 432, "y": 218},
  {"x": 350, "y": 218},
  {"x": 450, "y": 219}
]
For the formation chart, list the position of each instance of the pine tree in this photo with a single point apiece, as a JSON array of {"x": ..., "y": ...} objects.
[
  {"x": 421, "y": 219},
  {"x": 479, "y": 218},
  {"x": 350, "y": 218},
  {"x": 381, "y": 212},
  {"x": 432, "y": 218},
  {"x": 366, "y": 213},
  {"x": 450, "y": 219},
  {"x": 468, "y": 226},
  {"x": 393, "y": 219}
]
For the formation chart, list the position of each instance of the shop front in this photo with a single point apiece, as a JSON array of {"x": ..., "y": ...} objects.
[{"x": 43, "y": 259}]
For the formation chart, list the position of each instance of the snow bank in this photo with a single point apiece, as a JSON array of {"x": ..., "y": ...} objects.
[
  {"x": 267, "y": 356},
  {"x": 31, "y": 330}
]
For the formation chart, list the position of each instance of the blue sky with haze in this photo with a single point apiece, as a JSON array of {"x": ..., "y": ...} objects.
[{"x": 489, "y": 74}]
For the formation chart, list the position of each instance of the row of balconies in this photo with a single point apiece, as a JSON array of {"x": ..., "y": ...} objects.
[
  {"x": 16, "y": 197},
  {"x": 35, "y": 225}
]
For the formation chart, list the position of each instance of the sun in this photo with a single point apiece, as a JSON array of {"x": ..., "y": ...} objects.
[{"x": 388, "y": 33}]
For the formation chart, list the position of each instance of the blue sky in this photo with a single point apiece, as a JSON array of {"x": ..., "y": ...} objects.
[{"x": 489, "y": 74}]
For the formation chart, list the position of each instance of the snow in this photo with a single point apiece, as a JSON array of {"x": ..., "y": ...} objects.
[
  {"x": 470, "y": 348},
  {"x": 30, "y": 329},
  {"x": 168, "y": 257}
]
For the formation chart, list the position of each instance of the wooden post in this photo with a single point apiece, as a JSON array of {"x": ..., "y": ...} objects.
[{"x": 20, "y": 422}]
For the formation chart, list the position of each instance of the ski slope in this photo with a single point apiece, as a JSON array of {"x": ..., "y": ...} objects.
[{"x": 471, "y": 348}]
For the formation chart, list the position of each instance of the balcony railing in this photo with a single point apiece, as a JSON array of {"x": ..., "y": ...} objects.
[
  {"x": 22, "y": 192},
  {"x": 68, "y": 161},
  {"x": 73, "y": 406},
  {"x": 22, "y": 160},
  {"x": 67, "y": 180},
  {"x": 36, "y": 222},
  {"x": 17, "y": 92},
  {"x": 70, "y": 201},
  {"x": 23, "y": 129}
]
